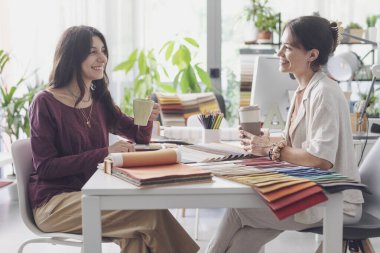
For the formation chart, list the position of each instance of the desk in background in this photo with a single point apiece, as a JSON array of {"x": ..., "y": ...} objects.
[{"x": 106, "y": 192}]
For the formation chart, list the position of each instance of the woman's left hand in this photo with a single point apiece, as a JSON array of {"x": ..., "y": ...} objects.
[
  {"x": 257, "y": 145},
  {"x": 155, "y": 112}
]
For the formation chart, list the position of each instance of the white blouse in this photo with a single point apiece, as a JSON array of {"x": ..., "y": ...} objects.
[{"x": 322, "y": 127}]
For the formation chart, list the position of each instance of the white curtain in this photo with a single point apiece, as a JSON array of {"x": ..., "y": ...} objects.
[{"x": 30, "y": 30}]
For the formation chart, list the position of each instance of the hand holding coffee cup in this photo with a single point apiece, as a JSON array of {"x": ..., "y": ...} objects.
[
  {"x": 155, "y": 112},
  {"x": 250, "y": 119},
  {"x": 142, "y": 110}
]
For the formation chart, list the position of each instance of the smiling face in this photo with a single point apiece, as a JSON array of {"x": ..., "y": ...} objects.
[
  {"x": 94, "y": 65},
  {"x": 293, "y": 57}
]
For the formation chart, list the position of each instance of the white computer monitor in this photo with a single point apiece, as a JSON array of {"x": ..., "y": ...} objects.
[{"x": 272, "y": 90}]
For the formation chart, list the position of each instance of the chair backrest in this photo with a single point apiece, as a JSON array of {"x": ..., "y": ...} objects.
[
  {"x": 370, "y": 175},
  {"x": 23, "y": 163}
]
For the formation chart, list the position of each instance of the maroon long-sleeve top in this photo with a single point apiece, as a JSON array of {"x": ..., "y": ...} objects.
[{"x": 66, "y": 152}]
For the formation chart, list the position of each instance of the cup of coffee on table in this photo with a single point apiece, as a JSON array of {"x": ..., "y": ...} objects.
[
  {"x": 142, "y": 108},
  {"x": 250, "y": 119}
]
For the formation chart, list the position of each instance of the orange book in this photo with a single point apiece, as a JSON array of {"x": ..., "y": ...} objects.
[
  {"x": 162, "y": 174},
  {"x": 154, "y": 168}
]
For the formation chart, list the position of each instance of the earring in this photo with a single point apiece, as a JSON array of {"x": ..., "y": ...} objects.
[{"x": 92, "y": 86}]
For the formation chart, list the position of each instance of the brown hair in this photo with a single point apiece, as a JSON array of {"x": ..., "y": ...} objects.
[
  {"x": 313, "y": 32},
  {"x": 73, "y": 48}
]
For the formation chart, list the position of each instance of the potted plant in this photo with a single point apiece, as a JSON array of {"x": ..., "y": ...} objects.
[
  {"x": 189, "y": 76},
  {"x": 148, "y": 79},
  {"x": 371, "y": 29},
  {"x": 356, "y": 30},
  {"x": 15, "y": 100},
  {"x": 371, "y": 110},
  {"x": 264, "y": 19}
]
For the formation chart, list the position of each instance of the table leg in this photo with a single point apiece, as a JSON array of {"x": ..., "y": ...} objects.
[
  {"x": 196, "y": 223},
  {"x": 91, "y": 222},
  {"x": 333, "y": 224}
]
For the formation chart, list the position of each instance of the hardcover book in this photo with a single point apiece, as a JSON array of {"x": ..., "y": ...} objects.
[{"x": 155, "y": 168}]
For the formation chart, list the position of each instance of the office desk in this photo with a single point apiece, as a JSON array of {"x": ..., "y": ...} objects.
[{"x": 106, "y": 192}]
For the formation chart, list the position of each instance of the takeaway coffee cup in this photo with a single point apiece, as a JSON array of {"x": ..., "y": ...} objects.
[
  {"x": 142, "y": 108},
  {"x": 250, "y": 119}
]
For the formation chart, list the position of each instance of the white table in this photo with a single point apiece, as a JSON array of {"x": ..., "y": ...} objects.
[{"x": 105, "y": 192}]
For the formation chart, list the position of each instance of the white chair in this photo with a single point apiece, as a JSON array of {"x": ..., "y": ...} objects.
[
  {"x": 22, "y": 160},
  {"x": 369, "y": 224}
]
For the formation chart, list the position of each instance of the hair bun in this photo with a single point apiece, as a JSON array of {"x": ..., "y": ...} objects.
[{"x": 337, "y": 30}]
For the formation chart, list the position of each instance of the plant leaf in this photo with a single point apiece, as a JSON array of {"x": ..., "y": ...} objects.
[
  {"x": 184, "y": 83},
  {"x": 204, "y": 76},
  {"x": 176, "y": 78},
  {"x": 193, "y": 82},
  {"x": 192, "y": 41},
  {"x": 128, "y": 64},
  {"x": 165, "y": 45},
  {"x": 167, "y": 87},
  {"x": 165, "y": 72},
  {"x": 186, "y": 55},
  {"x": 176, "y": 59},
  {"x": 169, "y": 50},
  {"x": 142, "y": 62}
]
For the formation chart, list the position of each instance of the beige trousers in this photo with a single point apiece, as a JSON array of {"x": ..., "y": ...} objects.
[
  {"x": 143, "y": 231},
  {"x": 248, "y": 230}
]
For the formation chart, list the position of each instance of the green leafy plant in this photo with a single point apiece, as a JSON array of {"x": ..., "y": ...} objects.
[
  {"x": 189, "y": 75},
  {"x": 372, "y": 100},
  {"x": 371, "y": 110},
  {"x": 262, "y": 15},
  {"x": 15, "y": 100},
  {"x": 146, "y": 80},
  {"x": 371, "y": 20},
  {"x": 354, "y": 25}
]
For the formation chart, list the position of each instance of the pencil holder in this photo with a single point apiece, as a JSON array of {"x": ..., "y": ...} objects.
[{"x": 210, "y": 135}]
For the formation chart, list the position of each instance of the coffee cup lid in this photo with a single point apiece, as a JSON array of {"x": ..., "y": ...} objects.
[{"x": 249, "y": 108}]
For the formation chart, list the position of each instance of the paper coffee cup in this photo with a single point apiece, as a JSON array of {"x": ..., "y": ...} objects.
[
  {"x": 142, "y": 108},
  {"x": 250, "y": 119}
]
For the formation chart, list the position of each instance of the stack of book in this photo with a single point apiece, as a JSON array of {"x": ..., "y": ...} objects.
[
  {"x": 176, "y": 109},
  {"x": 154, "y": 168}
]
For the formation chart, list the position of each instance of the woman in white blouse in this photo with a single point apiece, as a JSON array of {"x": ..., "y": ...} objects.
[{"x": 317, "y": 134}]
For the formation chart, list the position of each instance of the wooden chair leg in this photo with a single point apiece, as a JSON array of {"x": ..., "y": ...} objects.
[
  {"x": 367, "y": 246},
  {"x": 320, "y": 248},
  {"x": 344, "y": 248}
]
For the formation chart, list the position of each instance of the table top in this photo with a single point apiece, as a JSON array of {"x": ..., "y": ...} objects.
[{"x": 104, "y": 184}]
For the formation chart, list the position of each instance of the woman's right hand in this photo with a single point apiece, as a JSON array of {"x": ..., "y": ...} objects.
[{"x": 121, "y": 146}]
